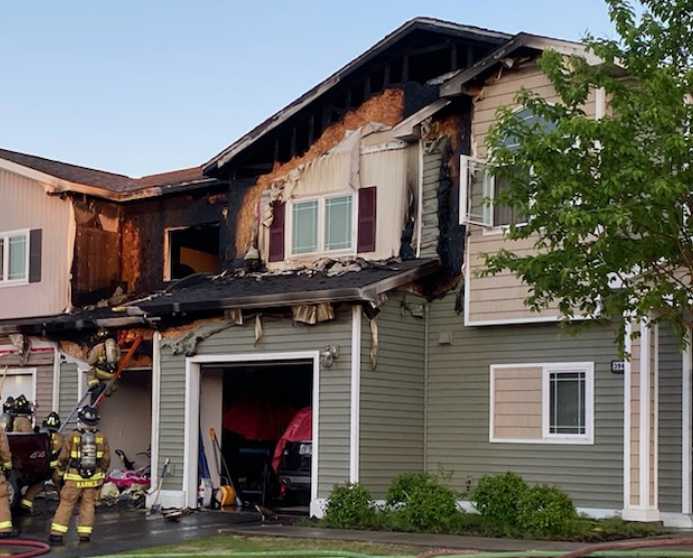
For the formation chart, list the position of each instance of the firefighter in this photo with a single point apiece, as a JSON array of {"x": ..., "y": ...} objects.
[
  {"x": 23, "y": 413},
  {"x": 51, "y": 425},
  {"x": 103, "y": 358},
  {"x": 6, "y": 529},
  {"x": 7, "y": 417},
  {"x": 85, "y": 456}
]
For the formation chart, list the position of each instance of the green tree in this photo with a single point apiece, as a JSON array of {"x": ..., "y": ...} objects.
[{"x": 610, "y": 197}]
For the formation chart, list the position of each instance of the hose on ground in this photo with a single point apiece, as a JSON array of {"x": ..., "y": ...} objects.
[{"x": 34, "y": 547}]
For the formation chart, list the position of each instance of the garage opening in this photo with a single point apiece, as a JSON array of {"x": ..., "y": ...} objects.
[
  {"x": 263, "y": 414},
  {"x": 126, "y": 420}
]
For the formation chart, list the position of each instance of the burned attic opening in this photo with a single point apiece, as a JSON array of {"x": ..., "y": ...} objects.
[{"x": 193, "y": 250}]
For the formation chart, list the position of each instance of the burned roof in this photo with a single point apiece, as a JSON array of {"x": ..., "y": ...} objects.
[
  {"x": 449, "y": 28},
  {"x": 113, "y": 185},
  {"x": 354, "y": 280},
  {"x": 334, "y": 281}
]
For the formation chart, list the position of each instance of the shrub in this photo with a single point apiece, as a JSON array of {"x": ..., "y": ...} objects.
[
  {"x": 350, "y": 506},
  {"x": 545, "y": 510},
  {"x": 421, "y": 503},
  {"x": 404, "y": 485},
  {"x": 496, "y": 497}
]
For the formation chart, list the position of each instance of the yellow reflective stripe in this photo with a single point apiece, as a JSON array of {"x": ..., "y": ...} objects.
[
  {"x": 79, "y": 478},
  {"x": 54, "y": 464},
  {"x": 74, "y": 453},
  {"x": 93, "y": 382},
  {"x": 84, "y": 530},
  {"x": 56, "y": 527},
  {"x": 99, "y": 439},
  {"x": 27, "y": 503},
  {"x": 99, "y": 454},
  {"x": 7, "y": 464},
  {"x": 5, "y": 525}
]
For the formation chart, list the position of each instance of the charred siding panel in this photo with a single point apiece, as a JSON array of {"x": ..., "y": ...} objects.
[
  {"x": 430, "y": 227},
  {"x": 458, "y": 407},
  {"x": 25, "y": 205},
  {"x": 279, "y": 336},
  {"x": 392, "y": 397},
  {"x": 670, "y": 401}
]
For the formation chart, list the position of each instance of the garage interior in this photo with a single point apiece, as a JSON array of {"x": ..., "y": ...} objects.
[
  {"x": 126, "y": 418},
  {"x": 253, "y": 407}
]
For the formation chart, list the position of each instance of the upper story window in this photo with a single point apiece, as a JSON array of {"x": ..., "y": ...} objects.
[
  {"x": 14, "y": 258},
  {"x": 332, "y": 224},
  {"x": 480, "y": 188},
  {"x": 322, "y": 225},
  {"x": 192, "y": 250}
]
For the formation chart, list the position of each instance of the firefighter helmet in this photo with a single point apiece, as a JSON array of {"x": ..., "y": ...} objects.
[
  {"x": 8, "y": 406},
  {"x": 52, "y": 421},
  {"x": 88, "y": 415},
  {"x": 22, "y": 406}
]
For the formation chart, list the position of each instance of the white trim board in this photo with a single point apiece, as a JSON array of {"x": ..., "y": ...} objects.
[
  {"x": 686, "y": 386},
  {"x": 355, "y": 408},
  {"x": 156, "y": 408},
  {"x": 193, "y": 367}
]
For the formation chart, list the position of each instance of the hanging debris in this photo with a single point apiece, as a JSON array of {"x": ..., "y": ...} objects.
[
  {"x": 313, "y": 313},
  {"x": 374, "y": 343}
]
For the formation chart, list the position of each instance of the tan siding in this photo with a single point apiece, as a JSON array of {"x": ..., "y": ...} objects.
[
  {"x": 512, "y": 420},
  {"x": 498, "y": 298},
  {"x": 25, "y": 205},
  {"x": 635, "y": 422}
]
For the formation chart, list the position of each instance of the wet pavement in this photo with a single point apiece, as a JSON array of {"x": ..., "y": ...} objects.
[{"x": 119, "y": 531}]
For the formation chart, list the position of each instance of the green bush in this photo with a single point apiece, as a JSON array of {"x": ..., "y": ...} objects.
[
  {"x": 350, "y": 506},
  {"x": 545, "y": 510},
  {"x": 420, "y": 502},
  {"x": 404, "y": 485},
  {"x": 496, "y": 497}
]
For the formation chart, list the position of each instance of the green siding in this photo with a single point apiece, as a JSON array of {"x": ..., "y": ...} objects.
[
  {"x": 392, "y": 396},
  {"x": 458, "y": 407},
  {"x": 430, "y": 230},
  {"x": 670, "y": 380},
  {"x": 68, "y": 389},
  {"x": 280, "y": 335}
]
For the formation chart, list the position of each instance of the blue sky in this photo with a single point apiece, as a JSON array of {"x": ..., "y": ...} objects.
[{"x": 142, "y": 87}]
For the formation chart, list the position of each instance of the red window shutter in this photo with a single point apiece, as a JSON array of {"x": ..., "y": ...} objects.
[
  {"x": 366, "y": 221},
  {"x": 276, "y": 233}
]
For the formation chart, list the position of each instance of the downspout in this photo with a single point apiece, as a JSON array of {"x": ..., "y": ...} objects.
[{"x": 427, "y": 313}]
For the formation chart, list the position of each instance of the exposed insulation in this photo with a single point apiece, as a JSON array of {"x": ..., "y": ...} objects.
[{"x": 386, "y": 108}]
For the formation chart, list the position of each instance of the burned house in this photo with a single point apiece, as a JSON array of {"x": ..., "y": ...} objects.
[{"x": 327, "y": 261}]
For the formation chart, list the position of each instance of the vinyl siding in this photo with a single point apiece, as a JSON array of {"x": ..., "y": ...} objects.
[
  {"x": 25, "y": 205},
  {"x": 280, "y": 335},
  {"x": 430, "y": 229},
  {"x": 68, "y": 389},
  {"x": 502, "y": 297},
  {"x": 670, "y": 401},
  {"x": 458, "y": 408},
  {"x": 392, "y": 395}
]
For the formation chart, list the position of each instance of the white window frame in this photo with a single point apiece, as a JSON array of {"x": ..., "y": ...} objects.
[
  {"x": 322, "y": 220},
  {"x": 26, "y": 372},
  {"x": 4, "y": 278},
  {"x": 546, "y": 369},
  {"x": 567, "y": 368}
]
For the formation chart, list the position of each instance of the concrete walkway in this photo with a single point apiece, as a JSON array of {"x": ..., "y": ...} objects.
[{"x": 402, "y": 539}]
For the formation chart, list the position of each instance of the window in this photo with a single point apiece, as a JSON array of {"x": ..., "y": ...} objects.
[
  {"x": 567, "y": 403},
  {"x": 322, "y": 225},
  {"x": 14, "y": 258},
  {"x": 192, "y": 250},
  {"x": 548, "y": 403},
  {"x": 479, "y": 187}
]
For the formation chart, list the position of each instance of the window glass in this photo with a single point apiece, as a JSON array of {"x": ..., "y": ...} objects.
[
  {"x": 305, "y": 227},
  {"x": 567, "y": 403},
  {"x": 338, "y": 223},
  {"x": 17, "y": 267}
]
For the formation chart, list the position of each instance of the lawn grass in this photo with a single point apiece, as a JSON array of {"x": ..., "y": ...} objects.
[{"x": 224, "y": 544}]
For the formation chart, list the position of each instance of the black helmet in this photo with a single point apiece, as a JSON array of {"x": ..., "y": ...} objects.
[
  {"x": 8, "y": 406},
  {"x": 52, "y": 421},
  {"x": 88, "y": 415},
  {"x": 22, "y": 406}
]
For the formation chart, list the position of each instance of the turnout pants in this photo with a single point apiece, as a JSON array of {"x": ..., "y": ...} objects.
[
  {"x": 35, "y": 489},
  {"x": 69, "y": 496},
  {"x": 5, "y": 515}
]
